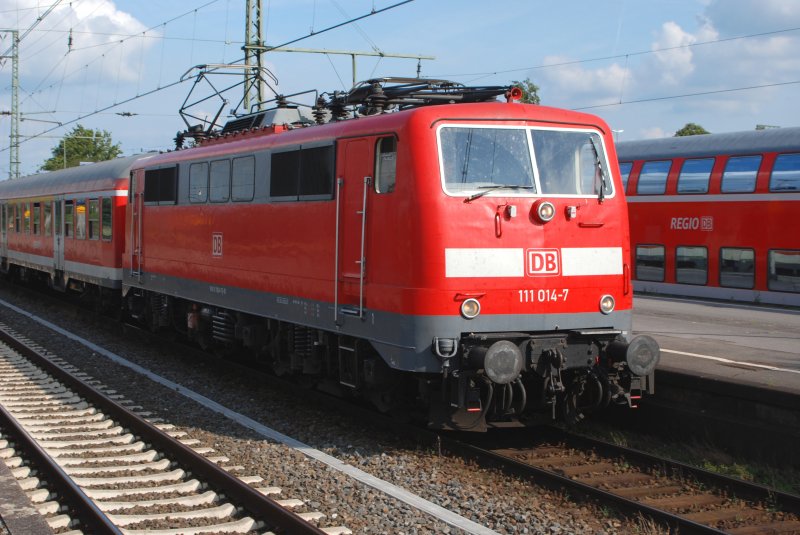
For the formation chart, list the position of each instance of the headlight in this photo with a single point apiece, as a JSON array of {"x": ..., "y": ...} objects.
[
  {"x": 606, "y": 304},
  {"x": 470, "y": 308},
  {"x": 544, "y": 211}
]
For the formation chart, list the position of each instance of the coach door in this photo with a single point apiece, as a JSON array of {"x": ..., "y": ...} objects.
[
  {"x": 353, "y": 179},
  {"x": 136, "y": 204},
  {"x": 58, "y": 235},
  {"x": 4, "y": 214}
]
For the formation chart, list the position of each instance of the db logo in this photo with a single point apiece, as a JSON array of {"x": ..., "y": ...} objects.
[
  {"x": 216, "y": 244},
  {"x": 543, "y": 262}
]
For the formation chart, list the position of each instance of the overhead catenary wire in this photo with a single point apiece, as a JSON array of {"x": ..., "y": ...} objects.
[
  {"x": 617, "y": 56},
  {"x": 172, "y": 84}
]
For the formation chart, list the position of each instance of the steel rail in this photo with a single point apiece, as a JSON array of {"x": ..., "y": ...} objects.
[
  {"x": 742, "y": 489},
  {"x": 235, "y": 489},
  {"x": 92, "y": 519}
]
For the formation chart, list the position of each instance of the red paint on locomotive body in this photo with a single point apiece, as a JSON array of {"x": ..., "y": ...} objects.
[
  {"x": 711, "y": 216},
  {"x": 468, "y": 256}
]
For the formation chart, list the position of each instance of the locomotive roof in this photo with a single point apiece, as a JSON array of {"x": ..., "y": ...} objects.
[
  {"x": 94, "y": 177},
  {"x": 747, "y": 142}
]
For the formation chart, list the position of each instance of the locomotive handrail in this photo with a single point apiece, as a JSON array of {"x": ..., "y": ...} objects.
[{"x": 339, "y": 184}]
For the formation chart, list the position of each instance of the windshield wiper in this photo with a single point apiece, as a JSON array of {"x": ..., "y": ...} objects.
[
  {"x": 487, "y": 189},
  {"x": 602, "y": 195}
]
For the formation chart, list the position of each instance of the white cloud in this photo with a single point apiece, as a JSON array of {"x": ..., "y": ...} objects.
[
  {"x": 76, "y": 42},
  {"x": 592, "y": 86}
]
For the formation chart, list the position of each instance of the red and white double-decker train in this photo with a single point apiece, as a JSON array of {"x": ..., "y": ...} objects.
[
  {"x": 715, "y": 215},
  {"x": 442, "y": 250}
]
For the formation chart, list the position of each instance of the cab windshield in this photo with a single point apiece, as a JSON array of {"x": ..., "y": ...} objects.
[{"x": 515, "y": 161}]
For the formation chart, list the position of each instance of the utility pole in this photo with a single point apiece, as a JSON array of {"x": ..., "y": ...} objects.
[
  {"x": 13, "y": 166},
  {"x": 253, "y": 45}
]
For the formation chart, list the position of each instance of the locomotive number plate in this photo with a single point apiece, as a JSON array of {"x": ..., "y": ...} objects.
[{"x": 543, "y": 295}]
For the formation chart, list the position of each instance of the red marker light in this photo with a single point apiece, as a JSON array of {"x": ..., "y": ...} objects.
[{"x": 515, "y": 93}]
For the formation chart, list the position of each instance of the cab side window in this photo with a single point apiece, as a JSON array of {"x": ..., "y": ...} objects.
[{"x": 385, "y": 164}]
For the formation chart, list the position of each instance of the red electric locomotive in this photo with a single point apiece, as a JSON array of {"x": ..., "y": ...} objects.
[
  {"x": 441, "y": 251},
  {"x": 472, "y": 257},
  {"x": 712, "y": 215}
]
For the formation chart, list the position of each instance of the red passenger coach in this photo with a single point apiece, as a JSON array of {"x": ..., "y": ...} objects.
[
  {"x": 67, "y": 226},
  {"x": 471, "y": 257},
  {"x": 716, "y": 215}
]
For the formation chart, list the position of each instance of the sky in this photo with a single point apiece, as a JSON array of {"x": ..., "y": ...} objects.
[{"x": 647, "y": 67}]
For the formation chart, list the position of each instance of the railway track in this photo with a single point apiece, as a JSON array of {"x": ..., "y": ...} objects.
[
  {"x": 91, "y": 465},
  {"x": 687, "y": 499}
]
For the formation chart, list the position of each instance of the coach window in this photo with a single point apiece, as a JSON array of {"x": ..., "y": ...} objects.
[
  {"x": 106, "y": 215},
  {"x": 27, "y": 214},
  {"x": 784, "y": 270},
  {"x": 37, "y": 217},
  {"x": 220, "y": 180},
  {"x": 243, "y": 186},
  {"x": 94, "y": 219},
  {"x": 736, "y": 267},
  {"x": 653, "y": 178},
  {"x": 69, "y": 218},
  {"x": 625, "y": 171},
  {"x": 785, "y": 173},
  {"x": 740, "y": 174},
  {"x": 650, "y": 262},
  {"x": 385, "y": 164},
  {"x": 695, "y": 175},
  {"x": 80, "y": 219},
  {"x": 198, "y": 182},
  {"x": 48, "y": 218},
  {"x": 17, "y": 212},
  {"x": 691, "y": 265}
]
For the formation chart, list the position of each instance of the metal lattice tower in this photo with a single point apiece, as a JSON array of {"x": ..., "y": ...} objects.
[
  {"x": 13, "y": 164},
  {"x": 253, "y": 47}
]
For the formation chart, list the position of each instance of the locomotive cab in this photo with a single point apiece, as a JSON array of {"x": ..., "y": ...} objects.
[{"x": 538, "y": 271}]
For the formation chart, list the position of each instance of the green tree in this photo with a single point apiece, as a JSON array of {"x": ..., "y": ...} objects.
[
  {"x": 530, "y": 91},
  {"x": 82, "y": 145},
  {"x": 691, "y": 129}
]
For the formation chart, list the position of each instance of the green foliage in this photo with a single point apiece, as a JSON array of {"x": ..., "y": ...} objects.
[
  {"x": 691, "y": 129},
  {"x": 530, "y": 91},
  {"x": 82, "y": 145}
]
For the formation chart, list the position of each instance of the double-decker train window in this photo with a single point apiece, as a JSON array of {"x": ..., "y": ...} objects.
[
  {"x": 737, "y": 267},
  {"x": 783, "y": 270},
  {"x": 785, "y": 173},
  {"x": 244, "y": 179},
  {"x": 694, "y": 176},
  {"x": 740, "y": 174},
  {"x": 220, "y": 181},
  {"x": 625, "y": 171},
  {"x": 650, "y": 262},
  {"x": 653, "y": 177},
  {"x": 385, "y": 164},
  {"x": 691, "y": 265},
  {"x": 106, "y": 218},
  {"x": 198, "y": 182}
]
